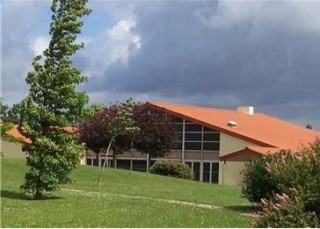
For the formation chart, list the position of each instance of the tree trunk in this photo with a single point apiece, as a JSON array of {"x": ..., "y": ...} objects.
[{"x": 105, "y": 163}]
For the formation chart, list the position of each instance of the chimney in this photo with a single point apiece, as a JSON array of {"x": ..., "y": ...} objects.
[{"x": 247, "y": 110}]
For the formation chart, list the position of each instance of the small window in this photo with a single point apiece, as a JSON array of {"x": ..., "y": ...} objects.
[
  {"x": 192, "y": 145},
  {"x": 89, "y": 161},
  {"x": 211, "y": 137},
  {"x": 193, "y": 127},
  {"x": 211, "y": 146},
  {"x": 196, "y": 170},
  {"x": 215, "y": 173},
  {"x": 193, "y": 137},
  {"x": 206, "y": 172},
  {"x": 95, "y": 162}
]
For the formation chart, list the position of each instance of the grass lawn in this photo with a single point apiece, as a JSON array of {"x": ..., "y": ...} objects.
[{"x": 125, "y": 199}]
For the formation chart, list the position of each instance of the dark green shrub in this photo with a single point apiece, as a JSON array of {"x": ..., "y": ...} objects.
[
  {"x": 172, "y": 169},
  {"x": 258, "y": 182}
]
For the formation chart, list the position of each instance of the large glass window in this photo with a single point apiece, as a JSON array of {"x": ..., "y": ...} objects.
[
  {"x": 196, "y": 137},
  {"x": 138, "y": 165},
  {"x": 123, "y": 164}
]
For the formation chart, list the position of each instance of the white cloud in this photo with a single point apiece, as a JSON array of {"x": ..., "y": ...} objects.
[
  {"x": 115, "y": 45},
  {"x": 39, "y": 45}
]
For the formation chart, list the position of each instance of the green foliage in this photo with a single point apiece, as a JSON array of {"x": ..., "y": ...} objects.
[
  {"x": 172, "y": 169},
  {"x": 117, "y": 121},
  {"x": 53, "y": 103},
  {"x": 4, "y": 128},
  {"x": 258, "y": 182},
  {"x": 296, "y": 195}
]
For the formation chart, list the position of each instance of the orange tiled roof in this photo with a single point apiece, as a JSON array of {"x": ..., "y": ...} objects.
[
  {"x": 253, "y": 150},
  {"x": 260, "y": 129},
  {"x": 14, "y": 132}
]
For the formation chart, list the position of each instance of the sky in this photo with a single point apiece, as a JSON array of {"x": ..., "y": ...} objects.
[{"x": 221, "y": 54}]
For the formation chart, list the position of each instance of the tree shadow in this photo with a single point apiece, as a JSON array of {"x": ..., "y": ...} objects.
[
  {"x": 21, "y": 196},
  {"x": 246, "y": 209}
]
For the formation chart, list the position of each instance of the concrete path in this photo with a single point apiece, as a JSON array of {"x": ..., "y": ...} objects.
[{"x": 90, "y": 193}]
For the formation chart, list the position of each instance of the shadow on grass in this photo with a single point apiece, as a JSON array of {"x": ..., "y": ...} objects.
[
  {"x": 20, "y": 196},
  {"x": 243, "y": 209}
]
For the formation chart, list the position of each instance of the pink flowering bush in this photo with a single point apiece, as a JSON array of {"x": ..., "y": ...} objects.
[
  {"x": 285, "y": 211},
  {"x": 288, "y": 185}
]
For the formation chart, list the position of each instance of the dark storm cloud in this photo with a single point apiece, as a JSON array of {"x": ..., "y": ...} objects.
[
  {"x": 202, "y": 50},
  {"x": 216, "y": 53}
]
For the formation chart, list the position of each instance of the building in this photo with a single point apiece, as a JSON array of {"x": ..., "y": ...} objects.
[
  {"x": 216, "y": 143},
  {"x": 13, "y": 149}
]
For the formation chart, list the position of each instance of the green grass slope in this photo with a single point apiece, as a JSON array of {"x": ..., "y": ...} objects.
[{"x": 125, "y": 199}]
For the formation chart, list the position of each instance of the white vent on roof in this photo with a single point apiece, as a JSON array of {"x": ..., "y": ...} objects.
[
  {"x": 247, "y": 110},
  {"x": 232, "y": 123}
]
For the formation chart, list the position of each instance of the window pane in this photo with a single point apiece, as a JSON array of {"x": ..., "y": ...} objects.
[
  {"x": 139, "y": 165},
  {"x": 193, "y": 127},
  {"x": 196, "y": 170},
  {"x": 123, "y": 164},
  {"x": 211, "y": 146},
  {"x": 206, "y": 172},
  {"x": 89, "y": 161},
  {"x": 211, "y": 137},
  {"x": 95, "y": 162},
  {"x": 192, "y": 145},
  {"x": 193, "y": 136},
  {"x": 208, "y": 129},
  {"x": 215, "y": 172}
]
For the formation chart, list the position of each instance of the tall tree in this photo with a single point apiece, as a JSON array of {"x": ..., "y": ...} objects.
[
  {"x": 157, "y": 132},
  {"x": 53, "y": 103}
]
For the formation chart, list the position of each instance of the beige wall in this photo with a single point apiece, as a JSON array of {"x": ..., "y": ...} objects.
[
  {"x": 230, "y": 173},
  {"x": 229, "y": 144},
  {"x": 12, "y": 150}
]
